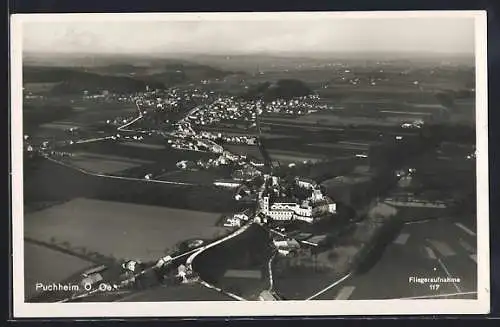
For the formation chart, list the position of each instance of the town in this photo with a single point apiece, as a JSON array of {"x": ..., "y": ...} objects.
[{"x": 262, "y": 185}]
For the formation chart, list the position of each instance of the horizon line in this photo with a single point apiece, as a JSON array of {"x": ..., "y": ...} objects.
[{"x": 233, "y": 53}]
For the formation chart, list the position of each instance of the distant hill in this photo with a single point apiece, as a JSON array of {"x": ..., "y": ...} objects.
[
  {"x": 121, "y": 77},
  {"x": 72, "y": 80},
  {"x": 162, "y": 71},
  {"x": 182, "y": 73},
  {"x": 282, "y": 89},
  {"x": 119, "y": 70}
]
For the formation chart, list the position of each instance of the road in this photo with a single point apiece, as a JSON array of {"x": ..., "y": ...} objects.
[
  {"x": 197, "y": 291},
  {"x": 117, "y": 177},
  {"x": 192, "y": 257},
  {"x": 120, "y": 128},
  {"x": 438, "y": 248},
  {"x": 189, "y": 113},
  {"x": 123, "y": 127},
  {"x": 192, "y": 253},
  {"x": 97, "y": 294},
  {"x": 97, "y": 139}
]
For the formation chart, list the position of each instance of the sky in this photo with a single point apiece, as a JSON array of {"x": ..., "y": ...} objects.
[{"x": 233, "y": 36}]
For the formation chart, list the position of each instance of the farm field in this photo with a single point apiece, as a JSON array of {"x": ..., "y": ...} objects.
[
  {"x": 248, "y": 288},
  {"x": 63, "y": 125},
  {"x": 145, "y": 145},
  {"x": 199, "y": 177},
  {"x": 38, "y": 87},
  {"x": 87, "y": 110},
  {"x": 111, "y": 157},
  {"x": 341, "y": 145},
  {"x": 243, "y": 149},
  {"x": 333, "y": 120},
  {"x": 43, "y": 133},
  {"x": 119, "y": 229},
  {"x": 101, "y": 166},
  {"x": 90, "y": 116},
  {"x": 105, "y": 164},
  {"x": 292, "y": 156},
  {"x": 44, "y": 265},
  {"x": 228, "y": 264},
  {"x": 142, "y": 151},
  {"x": 71, "y": 183}
]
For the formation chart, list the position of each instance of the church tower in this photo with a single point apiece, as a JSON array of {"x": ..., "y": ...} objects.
[{"x": 265, "y": 204}]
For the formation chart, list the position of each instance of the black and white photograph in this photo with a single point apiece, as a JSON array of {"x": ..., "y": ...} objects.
[{"x": 239, "y": 164}]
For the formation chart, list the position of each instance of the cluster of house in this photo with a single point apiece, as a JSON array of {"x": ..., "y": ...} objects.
[
  {"x": 298, "y": 106},
  {"x": 232, "y": 139},
  {"x": 290, "y": 243},
  {"x": 118, "y": 121},
  {"x": 405, "y": 176},
  {"x": 104, "y": 94},
  {"x": 279, "y": 208},
  {"x": 246, "y": 173},
  {"x": 230, "y": 108},
  {"x": 415, "y": 124},
  {"x": 238, "y": 219},
  {"x": 224, "y": 108},
  {"x": 226, "y": 158},
  {"x": 34, "y": 97},
  {"x": 61, "y": 154},
  {"x": 201, "y": 145},
  {"x": 286, "y": 246},
  {"x": 173, "y": 97},
  {"x": 243, "y": 192}
]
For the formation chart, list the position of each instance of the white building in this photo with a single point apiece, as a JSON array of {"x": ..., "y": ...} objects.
[
  {"x": 163, "y": 261},
  {"x": 286, "y": 211},
  {"x": 182, "y": 272},
  {"x": 260, "y": 218},
  {"x": 212, "y": 146},
  {"x": 241, "y": 216},
  {"x": 317, "y": 195},
  {"x": 91, "y": 279},
  {"x": 230, "y": 156},
  {"x": 227, "y": 183},
  {"x": 232, "y": 222},
  {"x": 182, "y": 164},
  {"x": 286, "y": 244}
]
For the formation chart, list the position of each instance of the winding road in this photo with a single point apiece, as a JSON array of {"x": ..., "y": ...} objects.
[
  {"x": 123, "y": 127},
  {"x": 86, "y": 172},
  {"x": 190, "y": 259}
]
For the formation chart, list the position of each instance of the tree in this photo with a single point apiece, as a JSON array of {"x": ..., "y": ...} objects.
[{"x": 446, "y": 99}]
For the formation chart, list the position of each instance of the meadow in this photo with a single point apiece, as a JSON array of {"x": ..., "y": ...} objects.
[{"x": 119, "y": 230}]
